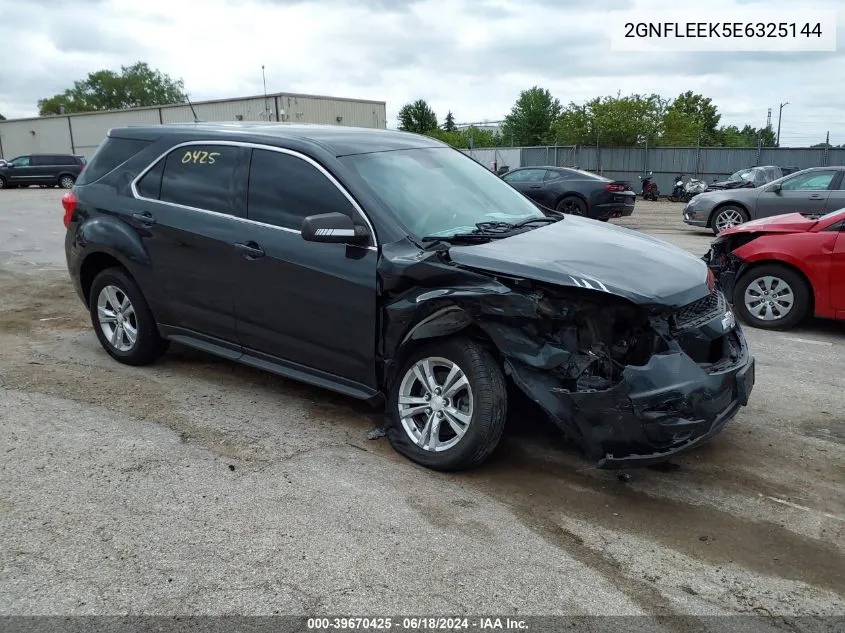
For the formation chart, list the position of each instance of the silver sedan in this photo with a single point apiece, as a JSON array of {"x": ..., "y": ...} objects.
[{"x": 814, "y": 190}]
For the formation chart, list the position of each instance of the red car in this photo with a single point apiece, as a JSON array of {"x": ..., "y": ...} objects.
[{"x": 780, "y": 269}]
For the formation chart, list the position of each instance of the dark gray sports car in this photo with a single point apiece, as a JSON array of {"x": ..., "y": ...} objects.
[{"x": 574, "y": 191}]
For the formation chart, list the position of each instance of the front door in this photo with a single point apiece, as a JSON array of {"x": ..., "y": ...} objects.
[
  {"x": 21, "y": 172},
  {"x": 189, "y": 214},
  {"x": 530, "y": 182},
  {"x": 837, "y": 273},
  {"x": 802, "y": 193},
  {"x": 311, "y": 304}
]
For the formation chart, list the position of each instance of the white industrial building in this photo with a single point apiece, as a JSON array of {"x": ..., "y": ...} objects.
[{"x": 82, "y": 133}]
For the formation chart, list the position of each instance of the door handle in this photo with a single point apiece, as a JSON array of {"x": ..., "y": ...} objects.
[
  {"x": 144, "y": 218},
  {"x": 816, "y": 196},
  {"x": 536, "y": 187},
  {"x": 250, "y": 250}
]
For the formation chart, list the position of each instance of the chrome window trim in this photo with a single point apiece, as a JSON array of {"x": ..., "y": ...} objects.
[{"x": 272, "y": 148}]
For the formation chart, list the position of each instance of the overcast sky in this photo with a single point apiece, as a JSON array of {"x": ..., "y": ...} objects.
[{"x": 470, "y": 56}]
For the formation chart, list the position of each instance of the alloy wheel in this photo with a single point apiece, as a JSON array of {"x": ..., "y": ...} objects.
[
  {"x": 728, "y": 218},
  {"x": 769, "y": 298},
  {"x": 117, "y": 318},
  {"x": 435, "y": 404},
  {"x": 66, "y": 182}
]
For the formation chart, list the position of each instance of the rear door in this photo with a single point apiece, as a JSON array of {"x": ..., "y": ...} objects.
[
  {"x": 308, "y": 303},
  {"x": 807, "y": 192},
  {"x": 836, "y": 194},
  {"x": 189, "y": 214}
]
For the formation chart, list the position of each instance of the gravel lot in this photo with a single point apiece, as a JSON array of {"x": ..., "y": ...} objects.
[{"x": 198, "y": 486}]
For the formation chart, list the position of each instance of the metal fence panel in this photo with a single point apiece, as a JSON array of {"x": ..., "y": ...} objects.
[{"x": 706, "y": 163}]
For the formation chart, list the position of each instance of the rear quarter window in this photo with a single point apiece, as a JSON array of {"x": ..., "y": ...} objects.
[{"x": 111, "y": 153}]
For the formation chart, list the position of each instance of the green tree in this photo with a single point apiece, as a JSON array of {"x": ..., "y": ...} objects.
[
  {"x": 417, "y": 117},
  {"x": 748, "y": 136},
  {"x": 134, "y": 86},
  {"x": 695, "y": 112},
  {"x": 467, "y": 138},
  {"x": 449, "y": 122},
  {"x": 611, "y": 121},
  {"x": 531, "y": 119},
  {"x": 2, "y": 118}
]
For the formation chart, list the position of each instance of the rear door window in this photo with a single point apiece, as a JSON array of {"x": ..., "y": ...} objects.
[{"x": 208, "y": 177}]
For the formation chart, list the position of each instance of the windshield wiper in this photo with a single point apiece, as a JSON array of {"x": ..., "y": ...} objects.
[{"x": 489, "y": 230}]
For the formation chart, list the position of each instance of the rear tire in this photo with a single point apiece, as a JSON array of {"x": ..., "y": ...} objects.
[
  {"x": 2, "y": 182},
  {"x": 572, "y": 205},
  {"x": 786, "y": 304},
  {"x": 463, "y": 430},
  {"x": 66, "y": 181},
  {"x": 122, "y": 319}
]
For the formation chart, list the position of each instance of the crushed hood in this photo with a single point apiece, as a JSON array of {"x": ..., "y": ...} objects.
[
  {"x": 787, "y": 223},
  {"x": 585, "y": 253}
]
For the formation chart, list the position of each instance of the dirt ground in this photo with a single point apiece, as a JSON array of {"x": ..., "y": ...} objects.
[{"x": 198, "y": 486}]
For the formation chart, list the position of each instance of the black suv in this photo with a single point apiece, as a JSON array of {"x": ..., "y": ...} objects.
[
  {"x": 390, "y": 267},
  {"x": 48, "y": 170}
]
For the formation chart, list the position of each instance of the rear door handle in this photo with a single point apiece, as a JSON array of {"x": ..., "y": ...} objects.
[
  {"x": 816, "y": 196},
  {"x": 144, "y": 218},
  {"x": 536, "y": 187},
  {"x": 250, "y": 250}
]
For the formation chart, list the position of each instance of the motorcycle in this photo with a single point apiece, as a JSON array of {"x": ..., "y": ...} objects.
[
  {"x": 650, "y": 190},
  {"x": 686, "y": 189},
  {"x": 677, "y": 190},
  {"x": 692, "y": 188}
]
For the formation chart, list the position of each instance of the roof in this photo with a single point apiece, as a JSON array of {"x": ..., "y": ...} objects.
[{"x": 338, "y": 139}]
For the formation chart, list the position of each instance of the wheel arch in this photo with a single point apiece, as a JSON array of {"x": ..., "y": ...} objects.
[
  {"x": 445, "y": 322},
  {"x": 93, "y": 264},
  {"x": 571, "y": 194},
  {"x": 722, "y": 205},
  {"x": 750, "y": 266}
]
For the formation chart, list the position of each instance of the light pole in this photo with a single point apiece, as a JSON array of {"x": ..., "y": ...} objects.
[{"x": 780, "y": 112}]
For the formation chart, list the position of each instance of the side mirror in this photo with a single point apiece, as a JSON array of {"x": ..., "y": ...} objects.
[
  {"x": 777, "y": 187},
  {"x": 333, "y": 228}
]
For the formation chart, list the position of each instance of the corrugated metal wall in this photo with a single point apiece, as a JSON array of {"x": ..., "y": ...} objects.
[
  {"x": 707, "y": 163},
  {"x": 504, "y": 156},
  {"x": 82, "y": 133}
]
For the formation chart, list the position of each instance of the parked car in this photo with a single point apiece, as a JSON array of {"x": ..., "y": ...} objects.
[
  {"x": 392, "y": 268},
  {"x": 748, "y": 178},
  {"x": 781, "y": 269},
  {"x": 574, "y": 191},
  {"x": 48, "y": 170},
  {"x": 815, "y": 190}
]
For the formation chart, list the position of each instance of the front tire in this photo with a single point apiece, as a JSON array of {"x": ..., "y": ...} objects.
[
  {"x": 772, "y": 297},
  {"x": 448, "y": 406},
  {"x": 66, "y": 181},
  {"x": 122, "y": 319},
  {"x": 727, "y": 217}
]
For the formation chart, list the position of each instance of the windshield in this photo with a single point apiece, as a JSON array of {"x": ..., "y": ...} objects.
[
  {"x": 440, "y": 191},
  {"x": 742, "y": 174}
]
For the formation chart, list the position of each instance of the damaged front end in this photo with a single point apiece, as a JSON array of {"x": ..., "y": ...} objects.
[
  {"x": 724, "y": 264},
  {"x": 631, "y": 384}
]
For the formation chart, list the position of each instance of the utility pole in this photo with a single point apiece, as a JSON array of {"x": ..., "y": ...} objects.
[
  {"x": 780, "y": 112},
  {"x": 264, "y": 80},
  {"x": 769, "y": 119},
  {"x": 826, "y": 150}
]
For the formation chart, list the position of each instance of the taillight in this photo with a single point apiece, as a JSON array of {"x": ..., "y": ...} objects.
[
  {"x": 69, "y": 203},
  {"x": 615, "y": 187}
]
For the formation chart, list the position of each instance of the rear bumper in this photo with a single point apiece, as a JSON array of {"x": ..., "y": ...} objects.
[{"x": 613, "y": 209}]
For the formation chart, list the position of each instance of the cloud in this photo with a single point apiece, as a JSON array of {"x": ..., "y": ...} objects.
[{"x": 469, "y": 56}]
